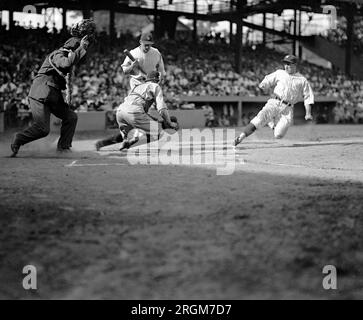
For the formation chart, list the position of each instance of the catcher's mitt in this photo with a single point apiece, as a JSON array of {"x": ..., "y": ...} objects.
[{"x": 173, "y": 119}]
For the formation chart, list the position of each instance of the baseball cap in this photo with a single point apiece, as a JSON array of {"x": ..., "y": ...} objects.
[
  {"x": 290, "y": 59},
  {"x": 147, "y": 38},
  {"x": 153, "y": 75}
]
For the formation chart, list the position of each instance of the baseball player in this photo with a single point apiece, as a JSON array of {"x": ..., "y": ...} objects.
[
  {"x": 133, "y": 113},
  {"x": 147, "y": 59},
  {"x": 289, "y": 87},
  {"x": 45, "y": 95}
]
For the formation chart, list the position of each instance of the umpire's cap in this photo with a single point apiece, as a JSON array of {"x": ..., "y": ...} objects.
[
  {"x": 146, "y": 38},
  {"x": 290, "y": 59},
  {"x": 153, "y": 76}
]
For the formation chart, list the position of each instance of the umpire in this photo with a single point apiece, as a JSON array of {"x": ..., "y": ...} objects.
[{"x": 45, "y": 95}]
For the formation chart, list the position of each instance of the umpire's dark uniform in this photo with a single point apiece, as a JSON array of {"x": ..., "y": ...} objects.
[{"x": 45, "y": 97}]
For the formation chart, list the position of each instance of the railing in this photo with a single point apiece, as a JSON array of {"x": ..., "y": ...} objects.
[{"x": 187, "y": 6}]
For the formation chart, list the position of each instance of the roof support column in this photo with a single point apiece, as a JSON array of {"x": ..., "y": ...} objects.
[
  {"x": 156, "y": 23},
  {"x": 64, "y": 19},
  {"x": 231, "y": 25},
  {"x": 264, "y": 31},
  {"x": 239, "y": 34},
  {"x": 295, "y": 33},
  {"x": 11, "y": 19},
  {"x": 195, "y": 31},
  {"x": 349, "y": 45},
  {"x": 300, "y": 46},
  {"x": 112, "y": 23}
]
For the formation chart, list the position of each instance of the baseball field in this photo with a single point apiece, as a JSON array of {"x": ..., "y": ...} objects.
[{"x": 97, "y": 225}]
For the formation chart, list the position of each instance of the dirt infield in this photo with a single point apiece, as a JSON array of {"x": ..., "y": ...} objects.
[{"x": 97, "y": 227}]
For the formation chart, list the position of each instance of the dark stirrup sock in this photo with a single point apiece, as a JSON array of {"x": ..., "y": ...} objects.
[
  {"x": 112, "y": 140},
  {"x": 250, "y": 128}
]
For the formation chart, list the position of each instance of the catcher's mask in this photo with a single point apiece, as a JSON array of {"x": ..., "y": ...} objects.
[
  {"x": 153, "y": 76},
  {"x": 86, "y": 27}
]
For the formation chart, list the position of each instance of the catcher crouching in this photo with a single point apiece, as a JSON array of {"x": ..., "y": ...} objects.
[{"x": 133, "y": 114}]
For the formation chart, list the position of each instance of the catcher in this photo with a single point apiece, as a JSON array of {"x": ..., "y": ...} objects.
[
  {"x": 141, "y": 61},
  {"x": 133, "y": 114},
  {"x": 45, "y": 95}
]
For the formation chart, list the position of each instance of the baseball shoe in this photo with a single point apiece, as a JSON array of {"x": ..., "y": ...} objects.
[
  {"x": 99, "y": 145},
  {"x": 125, "y": 145},
  {"x": 63, "y": 150},
  {"x": 15, "y": 149},
  {"x": 237, "y": 141}
]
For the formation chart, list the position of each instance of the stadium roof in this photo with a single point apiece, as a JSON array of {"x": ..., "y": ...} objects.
[{"x": 215, "y": 10}]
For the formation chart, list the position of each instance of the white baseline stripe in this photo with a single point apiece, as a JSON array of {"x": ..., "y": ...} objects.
[
  {"x": 146, "y": 164},
  {"x": 96, "y": 165},
  {"x": 72, "y": 164}
]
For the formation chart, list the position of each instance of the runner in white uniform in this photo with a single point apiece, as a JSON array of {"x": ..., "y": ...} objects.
[{"x": 289, "y": 87}]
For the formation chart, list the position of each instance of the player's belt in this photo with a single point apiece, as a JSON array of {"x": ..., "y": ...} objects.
[{"x": 275, "y": 96}]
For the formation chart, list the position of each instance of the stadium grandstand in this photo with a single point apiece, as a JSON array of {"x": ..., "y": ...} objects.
[{"x": 222, "y": 69}]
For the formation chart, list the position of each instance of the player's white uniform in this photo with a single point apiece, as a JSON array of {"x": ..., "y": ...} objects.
[
  {"x": 288, "y": 88},
  {"x": 150, "y": 61},
  {"x": 133, "y": 112}
]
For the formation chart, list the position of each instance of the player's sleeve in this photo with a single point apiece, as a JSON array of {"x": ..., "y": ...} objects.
[
  {"x": 161, "y": 67},
  {"x": 63, "y": 59},
  {"x": 308, "y": 94},
  {"x": 159, "y": 99},
  {"x": 269, "y": 81},
  {"x": 126, "y": 63}
]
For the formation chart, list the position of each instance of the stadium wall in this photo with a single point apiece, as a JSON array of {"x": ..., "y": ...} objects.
[
  {"x": 87, "y": 121},
  {"x": 96, "y": 120},
  {"x": 242, "y": 107},
  {"x": 249, "y": 106}
]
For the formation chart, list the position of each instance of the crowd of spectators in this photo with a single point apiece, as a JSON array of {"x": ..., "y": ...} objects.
[
  {"x": 199, "y": 69},
  {"x": 339, "y": 34}
]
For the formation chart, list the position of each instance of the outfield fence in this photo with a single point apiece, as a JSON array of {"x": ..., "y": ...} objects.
[{"x": 237, "y": 110}]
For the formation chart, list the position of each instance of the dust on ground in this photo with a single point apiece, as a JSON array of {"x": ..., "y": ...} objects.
[{"x": 97, "y": 227}]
